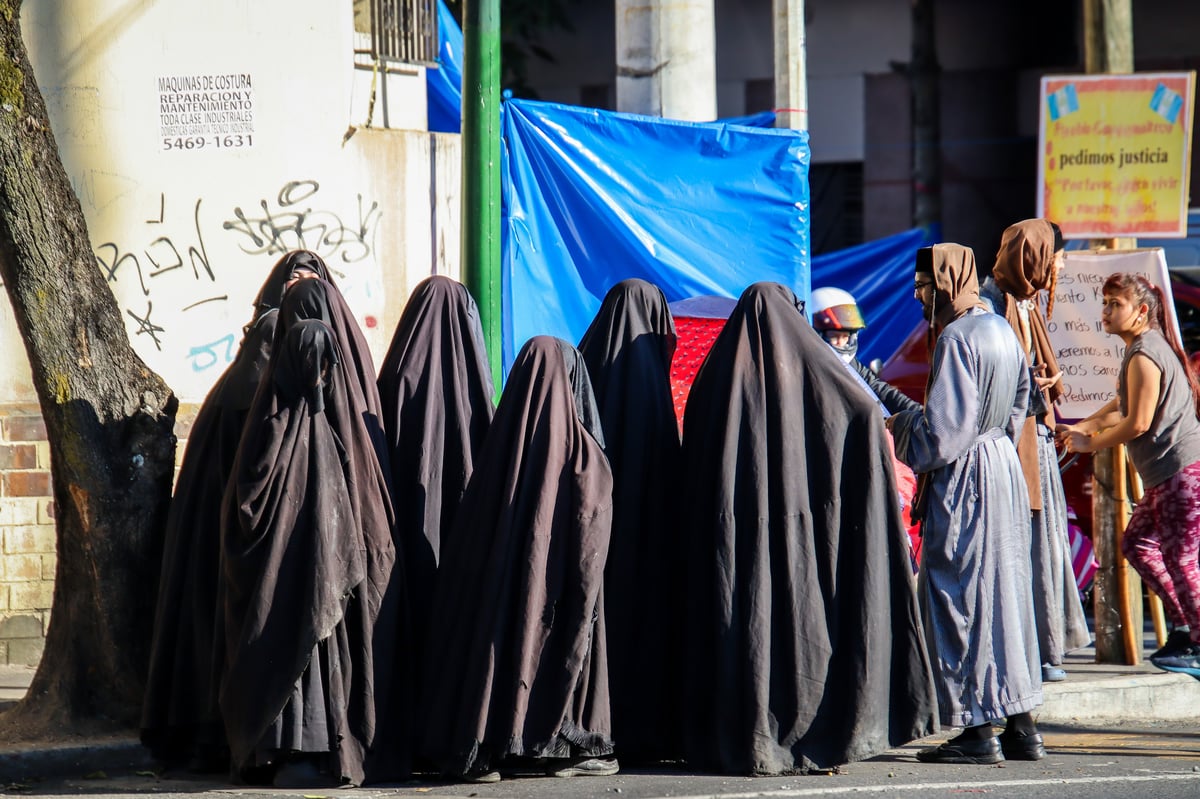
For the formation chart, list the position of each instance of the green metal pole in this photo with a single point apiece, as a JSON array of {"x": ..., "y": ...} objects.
[{"x": 481, "y": 168}]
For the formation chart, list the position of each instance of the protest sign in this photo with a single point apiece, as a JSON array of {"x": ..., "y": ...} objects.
[
  {"x": 1089, "y": 358},
  {"x": 1114, "y": 154}
]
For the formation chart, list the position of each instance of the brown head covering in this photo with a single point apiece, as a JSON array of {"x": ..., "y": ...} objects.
[
  {"x": 1024, "y": 266},
  {"x": 953, "y": 269}
]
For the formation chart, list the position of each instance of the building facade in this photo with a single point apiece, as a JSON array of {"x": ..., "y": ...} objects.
[{"x": 204, "y": 140}]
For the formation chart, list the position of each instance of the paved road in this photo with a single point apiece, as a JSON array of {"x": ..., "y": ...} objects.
[{"x": 1153, "y": 760}]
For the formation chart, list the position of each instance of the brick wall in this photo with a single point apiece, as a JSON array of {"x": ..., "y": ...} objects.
[
  {"x": 27, "y": 535},
  {"x": 28, "y": 540}
]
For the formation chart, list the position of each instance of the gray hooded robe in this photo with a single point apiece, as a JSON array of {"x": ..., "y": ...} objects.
[{"x": 975, "y": 583}]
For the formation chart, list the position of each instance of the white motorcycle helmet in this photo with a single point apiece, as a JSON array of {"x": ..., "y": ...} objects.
[{"x": 836, "y": 317}]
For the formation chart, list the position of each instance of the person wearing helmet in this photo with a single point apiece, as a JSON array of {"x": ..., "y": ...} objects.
[{"x": 836, "y": 317}]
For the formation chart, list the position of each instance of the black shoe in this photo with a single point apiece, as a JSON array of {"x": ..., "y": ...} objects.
[
  {"x": 1022, "y": 747},
  {"x": 982, "y": 752},
  {"x": 302, "y": 772},
  {"x": 1176, "y": 643},
  {"x": 1186, "y": 661}
]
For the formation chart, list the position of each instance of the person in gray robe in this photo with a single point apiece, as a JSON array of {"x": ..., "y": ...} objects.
[
  {"x": 974, "y": 584},
  {"x": 1028, "y": 261}
]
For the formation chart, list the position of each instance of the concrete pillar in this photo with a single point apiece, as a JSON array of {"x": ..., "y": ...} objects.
[
  {"x": 791, "y": 82},
  {"x": 667, "y": 58}
]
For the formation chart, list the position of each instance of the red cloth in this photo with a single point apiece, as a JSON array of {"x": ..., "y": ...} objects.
[{"x": 696, "y": 337}]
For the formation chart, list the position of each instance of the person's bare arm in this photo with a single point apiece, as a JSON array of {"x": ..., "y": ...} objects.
[{"x": 1142, "y": 380}]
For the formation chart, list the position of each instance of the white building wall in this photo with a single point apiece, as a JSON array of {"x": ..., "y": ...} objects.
[{"x": 188, "y": 210}]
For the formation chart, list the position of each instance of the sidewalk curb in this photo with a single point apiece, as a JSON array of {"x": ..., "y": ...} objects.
[
  {"x": 1159, "y": 696},
  {"x": 41, "y": 761}
]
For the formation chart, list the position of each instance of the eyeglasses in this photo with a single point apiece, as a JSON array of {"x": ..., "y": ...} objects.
[{"x": 922, "y": 284}]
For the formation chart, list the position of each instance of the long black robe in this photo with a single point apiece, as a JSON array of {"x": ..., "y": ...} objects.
[
  {"x": 320, "y": 299},
  {"x": 179, "y": 710},
  {"x": 436, "y": 388},
  {"x": 515, "y": 663},
  {"x": 295, "y": 563},
  {"x": 628, "y": 350},
  {"x": 804, "y": 646}
]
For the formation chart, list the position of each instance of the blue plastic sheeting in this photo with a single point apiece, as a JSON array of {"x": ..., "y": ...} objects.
[
  {"x": 880, "y": 276},
  {"x": 443, "y": 86},
  {"x": 590, "y": 198}
]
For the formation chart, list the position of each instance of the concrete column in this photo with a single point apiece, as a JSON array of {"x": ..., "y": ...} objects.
[
  {"x": 791, "y": 81},
  {"x": 667, "y": 58}
]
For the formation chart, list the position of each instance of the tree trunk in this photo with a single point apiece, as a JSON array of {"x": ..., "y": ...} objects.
[{"x": 109, "y": 420}]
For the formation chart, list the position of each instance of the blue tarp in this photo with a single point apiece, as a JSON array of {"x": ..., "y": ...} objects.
[
  {"x": 605, "y": 208},
  {"x": 590, "y": 198},
  {"x": 880, "y": 276},
  {"x": 443, "y": 86}
]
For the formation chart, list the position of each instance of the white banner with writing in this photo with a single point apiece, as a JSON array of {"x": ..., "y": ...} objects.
[{"x": 1090, "y": 358}]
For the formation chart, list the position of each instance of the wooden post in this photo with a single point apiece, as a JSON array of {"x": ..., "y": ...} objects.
[
  {"x": 1128, "y": 586},
  {"x": 1108, "y": 47}
]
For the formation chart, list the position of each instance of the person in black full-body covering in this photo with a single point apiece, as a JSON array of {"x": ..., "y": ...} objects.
[
  {"x": 180, "y": 719},
  {"x": 803, "y": 640},
  {"x": 296, "y": 593},
  {"x": 358, "y": 424},
  {"x": 515, "y": 665},
  {"x": 436, "y": 388},
  {"x": 628, "y": 349}
]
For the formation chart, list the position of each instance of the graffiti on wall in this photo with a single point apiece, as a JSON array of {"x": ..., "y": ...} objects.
[
  {"x": 175, "y": 270},
  {"x": 292, "y": 223}
]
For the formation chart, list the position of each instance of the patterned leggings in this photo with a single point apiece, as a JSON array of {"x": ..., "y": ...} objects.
[{"x": 1162, "y": 543}]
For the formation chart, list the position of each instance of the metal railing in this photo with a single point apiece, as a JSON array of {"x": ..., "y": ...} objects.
[{"x": 405, "y": 31}]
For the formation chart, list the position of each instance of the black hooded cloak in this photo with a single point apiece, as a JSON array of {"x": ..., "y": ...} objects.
[
  {"x": 273, "y": 288},
  {"x": 294, "y": 564},
  {"x": 804, "y": 646},
  {"x": 315, "y": 298},
  {"x": 180, "y": 717},
  {"x": 356, "y": 421},
  {"x": 628, "y": 350},
  {"x": 515, "y": 663},
  {"x": 436, "y": 389}
]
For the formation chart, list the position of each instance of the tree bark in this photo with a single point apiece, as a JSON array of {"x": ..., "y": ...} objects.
[{"x": 109, "y": 420}]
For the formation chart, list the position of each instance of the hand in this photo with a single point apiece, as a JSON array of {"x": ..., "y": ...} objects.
[
  {"x": 1079, "y": 442},
  {"x": 1045, "y": 382},
  {"x": 1061, "y": 431}
]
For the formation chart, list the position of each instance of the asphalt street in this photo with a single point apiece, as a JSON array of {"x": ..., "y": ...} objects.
[{"x": 1110, "y": 762}]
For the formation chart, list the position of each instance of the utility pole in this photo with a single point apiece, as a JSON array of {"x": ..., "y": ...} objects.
[
  {"x": 924, "y": 74},
  {"x": 791, "y": 76},
  {"x": 1108, "y": 47},
  {"x": 667, "y": 58},
  {"x": 481, "y": 168}
]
